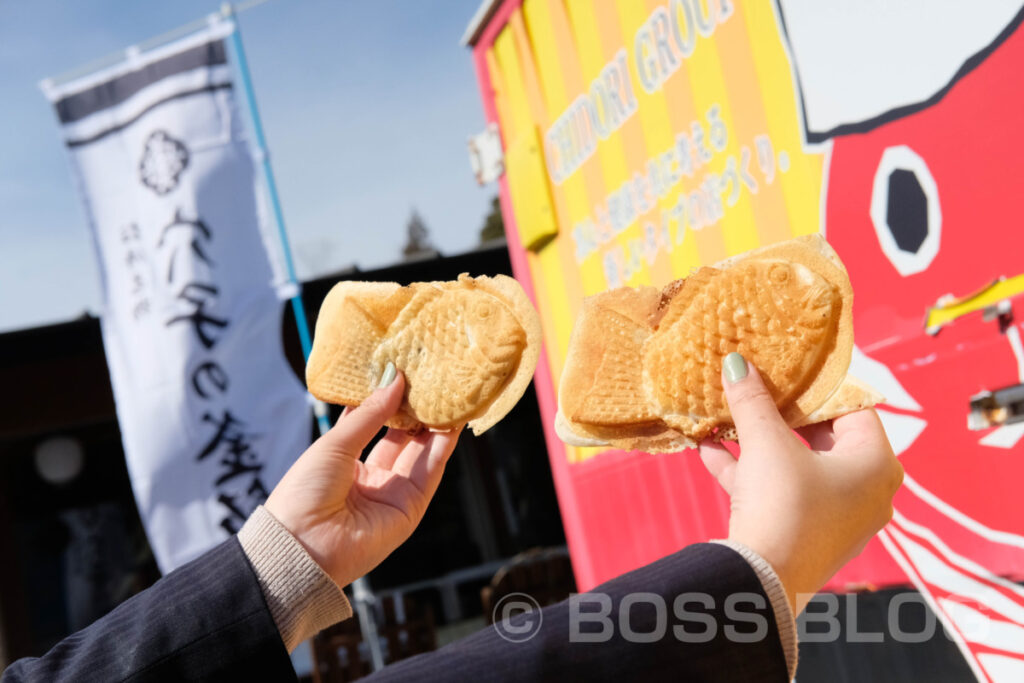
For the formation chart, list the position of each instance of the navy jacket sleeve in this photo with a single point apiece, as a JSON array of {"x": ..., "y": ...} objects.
[
  {"x": 204, "y": 621},
  {"x": 742, "y": 645}
]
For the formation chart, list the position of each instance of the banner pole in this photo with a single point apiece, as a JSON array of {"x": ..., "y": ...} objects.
[
  {"x": 260, "y": 152},
  {"x": 361, "y": 592}
]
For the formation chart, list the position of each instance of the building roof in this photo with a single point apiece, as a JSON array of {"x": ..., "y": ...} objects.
[{"x": 479, "y": 21}]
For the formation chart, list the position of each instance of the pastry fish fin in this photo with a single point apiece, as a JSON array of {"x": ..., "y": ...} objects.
[
  {"x": 852, "y": 394},
  {"x": 384, "y": 310},
  {"x": 465, "y": 389},
  {"x": 676, "y": 298},
  {"x": 347, "y": 379},
  {"x": 617, "y": 394}
]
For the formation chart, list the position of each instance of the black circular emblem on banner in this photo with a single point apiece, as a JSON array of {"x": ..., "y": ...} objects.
[{"x": 163, "y": 160}]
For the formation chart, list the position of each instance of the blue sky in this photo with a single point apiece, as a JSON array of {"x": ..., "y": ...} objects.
[{"x": 366, "y": 105}]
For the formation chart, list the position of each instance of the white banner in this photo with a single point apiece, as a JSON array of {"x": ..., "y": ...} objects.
[{"x": 210, "y": 413}]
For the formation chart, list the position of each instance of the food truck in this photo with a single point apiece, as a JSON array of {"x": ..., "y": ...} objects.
[{"x": 640, "y": 139}]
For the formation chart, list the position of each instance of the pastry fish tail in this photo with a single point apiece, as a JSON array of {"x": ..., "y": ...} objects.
[
  {"x": 349, "y": 383},
  {"x": 617, "y": 396}
]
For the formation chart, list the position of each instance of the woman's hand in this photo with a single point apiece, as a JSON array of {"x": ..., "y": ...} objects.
[
  {"x": 807, "y": 511},
  {"x": 351, "y": 514}
]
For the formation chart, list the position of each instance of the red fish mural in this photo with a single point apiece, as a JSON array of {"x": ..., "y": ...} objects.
[{"x": 925, "y": 169}]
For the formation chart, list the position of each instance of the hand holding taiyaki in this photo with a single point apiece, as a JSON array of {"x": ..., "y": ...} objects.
[
  {"x": 467, "y": 348},
  {"x": 805, "y": 509},
  {"x": 348, "y": 511},
  {"x": 642, "y": 370}
]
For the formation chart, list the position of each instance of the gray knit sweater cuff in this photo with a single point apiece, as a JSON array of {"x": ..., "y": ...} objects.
[
  {"x": 301, "y": 596},
  {"x": 777, "y": 595}
]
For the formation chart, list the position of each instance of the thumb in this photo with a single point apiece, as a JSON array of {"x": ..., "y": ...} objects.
[
  {"x": 356, "y": 427},
  {"x": 753, "y": 409}
]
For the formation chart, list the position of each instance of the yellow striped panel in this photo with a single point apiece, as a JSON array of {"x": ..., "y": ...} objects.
[
  {"x": 516, "y": 123},
  {"x": 656, "y": 135},
  {"x": 500, "y": 97},
  {"x": 750, "y": 120},
  {"x": 631, "y": 133},
  {"x": 572, "y": 196},
  {"x": 518, "y": 118},
  {"x": 709, "y": 242},
  {"x": 537, "y": 221},
  {"x": 634, "y": 136},
  {"x": 548, "y": 55},
  {"x": 528, "y": 70},
  {"x": 656, "y": 132},
  {"x": 700, "y": 247},
  {"x": 708, "y": 86},
  {"x": 561, "y": 81},
  {"x": 516, "y": 60},
  {"x": 551, "y": 259},
  {"x": 801, "y": 184},
  {"x": 582, "y": 20},
  {"x": 554, "y": 36}
]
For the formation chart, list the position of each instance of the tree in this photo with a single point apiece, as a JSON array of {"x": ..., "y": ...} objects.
[
  {"x": 418, "y": 241},
  {"x": 494, "y": 224}
]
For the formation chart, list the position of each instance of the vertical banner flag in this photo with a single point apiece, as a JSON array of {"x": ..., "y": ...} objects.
[{"x": 210, "y": 412}]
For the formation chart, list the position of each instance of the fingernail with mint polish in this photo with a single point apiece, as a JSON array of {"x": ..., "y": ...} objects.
[
  {"x": 389, "y": 375},
  {"x": 735, "y": 367}
]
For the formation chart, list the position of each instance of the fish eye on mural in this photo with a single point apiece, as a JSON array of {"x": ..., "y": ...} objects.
[{"x": 905, "y": 210}]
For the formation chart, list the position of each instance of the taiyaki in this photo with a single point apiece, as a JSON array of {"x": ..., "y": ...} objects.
[
  {"x": 468, "y": 348},
  {"x": 643, "y": 368}
]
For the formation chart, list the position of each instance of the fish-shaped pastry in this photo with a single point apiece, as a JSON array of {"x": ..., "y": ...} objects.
[
  {"x": 643, "y": 368},
  {"x": 468, "y": 348}
]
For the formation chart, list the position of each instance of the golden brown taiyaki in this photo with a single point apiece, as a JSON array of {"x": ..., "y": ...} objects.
[
  {"x": 468, "y": 348},
  {"x": 644, "y": 366}
]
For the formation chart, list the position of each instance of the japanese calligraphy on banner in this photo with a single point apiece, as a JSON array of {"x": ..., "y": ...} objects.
[{"x": 211, "y": 414}]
